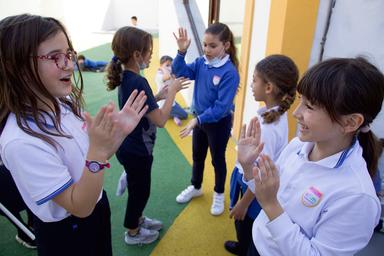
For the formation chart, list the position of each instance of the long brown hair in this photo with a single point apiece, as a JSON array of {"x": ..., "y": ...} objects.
[
  {"x": 225, "y": 35},
  {"x": 126, "y": 41},
  {"x": 282, "y": 72},
  {"x": 21, "y": 88},
  {"x": 345, "y": 86}
]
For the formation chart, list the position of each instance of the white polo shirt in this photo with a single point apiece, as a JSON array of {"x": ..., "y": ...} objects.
[
  {"x": 40, "y": 171},
  {"x": 274, "y": 135},
  {"x": 330, "y": 206}
]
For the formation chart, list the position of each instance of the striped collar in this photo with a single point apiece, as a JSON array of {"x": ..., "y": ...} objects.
[
  {"x": 46, "y": 120},
  {"x": 334, "y": 161}
]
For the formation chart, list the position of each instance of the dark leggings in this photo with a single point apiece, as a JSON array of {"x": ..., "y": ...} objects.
[
  {"x": 138, "y": 169},
  {"x": 215, "y": 136}
]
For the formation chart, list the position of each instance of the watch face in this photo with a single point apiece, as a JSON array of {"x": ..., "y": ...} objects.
[{"x": 94, "y": 166}]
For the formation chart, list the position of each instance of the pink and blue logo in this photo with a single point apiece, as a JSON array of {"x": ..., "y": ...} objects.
[{"x": 311, "y": 197}]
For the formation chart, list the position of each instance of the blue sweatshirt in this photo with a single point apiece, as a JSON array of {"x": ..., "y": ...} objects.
[
  {"x": 94, "y": 64},
  {"x": 215, "y": 87}
]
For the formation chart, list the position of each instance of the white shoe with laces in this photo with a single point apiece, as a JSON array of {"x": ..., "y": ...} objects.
[
  {"x": 143, "y": 236},
  {"x": 217, "y": 207},
  {"x": 187, "y": 194}
]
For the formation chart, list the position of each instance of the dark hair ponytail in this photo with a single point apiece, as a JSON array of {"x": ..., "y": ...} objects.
[
  {"x": 283, "y": 73},
  {"x": 344, "y": 86},
  {"x": 126, "y": 41},
  {"x": 372, "y": 149},
  {"x": 225, "y": 35},
  {"x": 114, "y": 71}
]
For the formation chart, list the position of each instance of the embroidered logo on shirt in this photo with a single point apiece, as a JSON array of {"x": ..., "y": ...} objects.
[
  {"x": 216, "y": 80},
  {"x": 311, "y": 197}
]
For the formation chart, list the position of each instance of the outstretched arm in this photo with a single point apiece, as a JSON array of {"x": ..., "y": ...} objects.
[{"x": 106, "y": 132}]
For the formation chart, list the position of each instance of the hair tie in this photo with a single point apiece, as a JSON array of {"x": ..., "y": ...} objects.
[
  {"x": 365, "y": 128},
  {"x": 115, "y": 59}
]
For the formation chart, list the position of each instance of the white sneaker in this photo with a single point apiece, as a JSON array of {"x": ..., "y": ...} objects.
[
  {"x": 122, "y": 184},
  {"x": 151, "y": 224},
  {"x": 187, "y": 194},
  {"x": 217, "y": 207},
  {"x": 144, "y": 236}
]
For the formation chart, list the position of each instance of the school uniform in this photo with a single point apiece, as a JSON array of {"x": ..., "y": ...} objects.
[
  {"x": 330, "y": 206},
  {"x": 275, "y": 138},
  {"x": 41, "y": 172},
  {"x": 212, "y": 104},
  {"x": 135, "y": 153}
]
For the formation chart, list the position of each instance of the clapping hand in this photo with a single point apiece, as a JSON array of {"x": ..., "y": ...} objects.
[
  {"x": 108, "y": 129},
  {"x": 249, "y": 146},
  {"x": 267, "y": 182}
]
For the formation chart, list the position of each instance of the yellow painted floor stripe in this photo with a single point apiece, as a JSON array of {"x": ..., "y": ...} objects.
[{"x": 195, "y": 231}]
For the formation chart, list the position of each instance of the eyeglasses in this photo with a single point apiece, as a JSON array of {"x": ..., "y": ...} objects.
[{"x": 61, "y": 59}]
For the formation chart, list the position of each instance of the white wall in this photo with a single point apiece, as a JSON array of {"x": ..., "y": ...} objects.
[
  {"x": 257, "y": 53},
  {"x": 356, "y": 28},
  {"x": 14, "y": 7},
  {"x": 172, "y": 15},
  {"x": 232, "y": 14},
  {"x": 145, "y": 11},
  {"x": 203, "y": 6}
]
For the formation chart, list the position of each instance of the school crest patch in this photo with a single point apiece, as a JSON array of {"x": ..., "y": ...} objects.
[
  {"x": 311, "y": 197},
  {"x": 216, "y": 80}
]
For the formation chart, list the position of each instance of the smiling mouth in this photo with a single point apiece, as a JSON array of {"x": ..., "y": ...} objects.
[{"x": 65, "y": 79}]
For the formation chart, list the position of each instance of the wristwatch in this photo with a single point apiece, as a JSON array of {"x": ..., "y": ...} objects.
[{"x": 95, "y": 166}]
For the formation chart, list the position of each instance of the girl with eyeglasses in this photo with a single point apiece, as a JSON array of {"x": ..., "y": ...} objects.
[{"x": 57, "y": 154}]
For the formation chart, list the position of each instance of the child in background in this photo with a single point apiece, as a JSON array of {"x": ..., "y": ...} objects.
[
  {"x": 274, "y": 83},
  {"x": 86, "y": 64},
  {"x": 56, "y": 154},
  {"x": 163, "y": 79},
  {"x": 318, "y": 199},
  {"x": 132, "y": 48},
  {"x": 216, "y": 81}
]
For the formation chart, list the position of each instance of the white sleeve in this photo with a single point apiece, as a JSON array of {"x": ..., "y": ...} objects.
[
  {"x": 37, "y": 168},
  {"x": 159, "y": 81},
  {"x": 251, "y": 184},
  {"x": 343, "y": 228},
  {"x": 269, "y": 138}
]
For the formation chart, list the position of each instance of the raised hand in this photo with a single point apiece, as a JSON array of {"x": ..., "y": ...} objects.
[
  {"x": 182, "y": 40},
  {"x": 178, "y": 84},
  {"x": 131, "y": 113},
  {"x": 267, "y": 182},
  {"x": 100, "y": 134},
  {"x": 163, "y": 93},
  {"x": 109, "y": 128},
  {"x": 249, "y": 146}
]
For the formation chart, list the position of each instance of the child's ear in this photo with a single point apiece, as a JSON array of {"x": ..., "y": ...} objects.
[
  {"x": 352, "y": 122},
  {"x": 136, "y": 54},
  {"x": 227, "y": 45},
  {"x": 268, "y": 88}
]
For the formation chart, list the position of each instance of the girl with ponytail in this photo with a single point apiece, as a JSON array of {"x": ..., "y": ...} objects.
[
  {"x": 274, "y": 83},
  {"x": 132, "y": 48},
  {"x": 319, "y": 198},
  {"x": 216, "y": 81}
]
